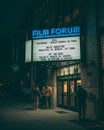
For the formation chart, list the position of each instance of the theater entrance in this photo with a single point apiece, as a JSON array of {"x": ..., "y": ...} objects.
[
  {"x": 66, "y": 91},
  {"x": 62, "y": 94}
]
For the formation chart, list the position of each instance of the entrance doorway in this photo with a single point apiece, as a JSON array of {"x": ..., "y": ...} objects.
[
  {"x": 73, "y": 83},
  {"x": 62, "y": 94},
  {"x": 66, "y": 93}
]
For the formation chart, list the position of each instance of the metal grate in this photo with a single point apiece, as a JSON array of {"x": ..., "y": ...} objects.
[{"x": 61, "y": 112}]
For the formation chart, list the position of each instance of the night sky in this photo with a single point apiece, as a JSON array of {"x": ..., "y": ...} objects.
[
  {"x": 5, "y": 55},
  {"x": 12, "y": 13}
]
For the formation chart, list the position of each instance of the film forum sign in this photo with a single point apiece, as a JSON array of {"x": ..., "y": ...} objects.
[{"x": 56, "y": 44}]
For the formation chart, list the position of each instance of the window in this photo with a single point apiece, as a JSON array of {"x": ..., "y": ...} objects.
[
  {"x": 67, "y": 19},
  {"x": 75, "y": 12}
]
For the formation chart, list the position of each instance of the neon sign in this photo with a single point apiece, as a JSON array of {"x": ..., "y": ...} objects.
[{"x": 56, "y": 32}]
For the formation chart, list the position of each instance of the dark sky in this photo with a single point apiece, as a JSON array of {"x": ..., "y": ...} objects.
[
  {"x": 12, "y": 13},
  {"x": 5, "y": 55}
]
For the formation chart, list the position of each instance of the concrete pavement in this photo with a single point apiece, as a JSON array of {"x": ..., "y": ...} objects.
[{"x": 16, "y": 115}]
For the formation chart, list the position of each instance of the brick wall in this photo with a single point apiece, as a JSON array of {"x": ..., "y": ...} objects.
[{"x": 89, "y": 72}]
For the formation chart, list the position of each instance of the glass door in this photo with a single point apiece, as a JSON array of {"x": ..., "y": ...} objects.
[
  {"x": 59, "y": 93},
  {"x": 72, "y": 93},
  {"x": 65, "y": 93},
  {"x": 78, "y": 82},
  {"x": 62, "y": 92}
]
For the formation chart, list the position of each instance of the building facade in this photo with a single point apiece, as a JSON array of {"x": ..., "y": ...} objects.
[{"x": 65, "y": 76}]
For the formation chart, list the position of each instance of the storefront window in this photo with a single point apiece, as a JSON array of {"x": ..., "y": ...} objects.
[
  {"x": 67, "y": 19},
  {"x": 69, "y": 70},
  {"x": 72, "y": 70},
  {"x": 65, "y": 87},
  {"x": 76, "y": 12}
]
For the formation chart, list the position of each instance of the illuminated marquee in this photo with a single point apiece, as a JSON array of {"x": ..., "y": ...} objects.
[
  {"x": 56, "y": 49},
  {"x": 56, "y": 32},
  {"x": 56, "y": 44}
]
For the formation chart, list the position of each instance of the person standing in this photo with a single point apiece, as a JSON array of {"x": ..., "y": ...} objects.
[
  {"x": 81, "y": 96},
  {"x": 36, "y": 95},
  {"x": 49, "y": 95},
  {"x": 44, "y": 97}
]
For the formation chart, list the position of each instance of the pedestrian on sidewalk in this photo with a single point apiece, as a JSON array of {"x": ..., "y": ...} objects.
[
  {"x": 36, "y": 96},
  {"x": 44, "y": 97},
  {"x": 81, "y": 96},
  {"x": 49, "y": 95}
]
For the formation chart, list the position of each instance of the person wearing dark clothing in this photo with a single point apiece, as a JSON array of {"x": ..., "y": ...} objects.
[
  {"x": 81, "y": 96},
  {"x": 36, "y": 95},
  {"x": 44, "y": 97}
]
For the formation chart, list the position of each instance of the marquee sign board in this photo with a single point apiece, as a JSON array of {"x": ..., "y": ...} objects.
[
  {"x": 56, "y": 49},
  {"x": 53, "y": 44}
]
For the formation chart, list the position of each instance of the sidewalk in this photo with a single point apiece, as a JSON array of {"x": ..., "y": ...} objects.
[{"x": 19, "y": 116}]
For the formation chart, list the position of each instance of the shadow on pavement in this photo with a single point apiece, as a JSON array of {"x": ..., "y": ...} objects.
[{"x": 89, "y": 124}]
